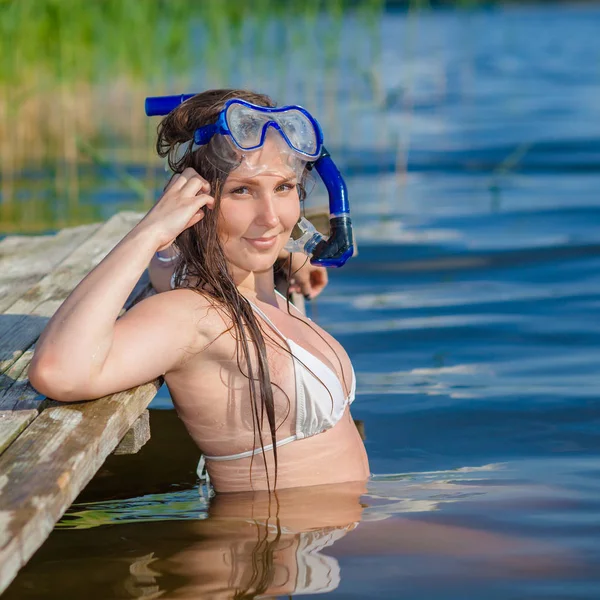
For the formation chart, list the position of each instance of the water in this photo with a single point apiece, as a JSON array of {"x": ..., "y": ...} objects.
[{"x": 470, "y": 317}]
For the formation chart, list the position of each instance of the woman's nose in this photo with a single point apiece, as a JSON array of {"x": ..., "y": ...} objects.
[{"x": 267, "y": 214}]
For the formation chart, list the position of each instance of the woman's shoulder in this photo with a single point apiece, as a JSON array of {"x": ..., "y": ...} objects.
[
  {"x": 193, "y": 314},
  {"x": 200, "y": 306}
]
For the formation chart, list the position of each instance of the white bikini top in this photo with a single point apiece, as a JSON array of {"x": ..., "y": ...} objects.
[{"x": 316, "y": 409}]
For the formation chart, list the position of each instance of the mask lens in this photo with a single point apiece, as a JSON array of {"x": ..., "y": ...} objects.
[
  {"x": 299, "y": 131},
  {"x": 245, "y": 125}
]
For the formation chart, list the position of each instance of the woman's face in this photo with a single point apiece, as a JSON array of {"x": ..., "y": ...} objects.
[{"x": 259, "y": 208}]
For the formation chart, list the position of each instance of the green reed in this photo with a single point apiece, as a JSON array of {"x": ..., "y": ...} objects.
[
  {"x": 74, "y": 74},
  {"x": 51, "y": 49}
]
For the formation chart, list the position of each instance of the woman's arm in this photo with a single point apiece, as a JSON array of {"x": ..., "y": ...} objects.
[
  {"x": 85, "y": 352},
  {"x": 161, "y": 269}
]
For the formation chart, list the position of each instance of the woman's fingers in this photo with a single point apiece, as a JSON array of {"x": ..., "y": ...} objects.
[
  {"x": 172, "y": 182},
  {"x": 310, "y": 287},
  {"x": 194, "y": 187},
  {"x": 305, "y": 287},
  {"x": 190, "y": 189},
  {"x": 190, "y": 183},
  {"x": 197, "y": 203},
  {"x": 318, "y": 280},
  {"x": 197, "y": 217},
  {"x": 181, "y": 206},
  {"x": 307, "y": 279}
]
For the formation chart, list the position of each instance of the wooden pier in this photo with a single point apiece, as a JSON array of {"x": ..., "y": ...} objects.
[{"x": 49, "y": 451}]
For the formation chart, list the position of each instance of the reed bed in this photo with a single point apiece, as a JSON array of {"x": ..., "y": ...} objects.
[{"x": 74, "y": 75}]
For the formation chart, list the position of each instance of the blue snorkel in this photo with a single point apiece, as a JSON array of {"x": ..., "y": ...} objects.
[
  {"x": 158, "y": 106},
  {"x": 332, "y": 251},
  {"x": 339, "y": 246}
]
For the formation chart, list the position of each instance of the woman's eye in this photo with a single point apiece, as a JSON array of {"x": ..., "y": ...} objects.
[
  {"x": 285, "y": 187},
  {"x": 241, "y": 191}
]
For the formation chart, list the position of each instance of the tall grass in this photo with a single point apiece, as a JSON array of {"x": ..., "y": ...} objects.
[
  {"x": 72, "y": 67},
  {"x": 74, "y": 73}
]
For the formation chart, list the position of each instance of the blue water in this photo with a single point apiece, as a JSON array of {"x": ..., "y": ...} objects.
[{"x": 470, "y": 314}]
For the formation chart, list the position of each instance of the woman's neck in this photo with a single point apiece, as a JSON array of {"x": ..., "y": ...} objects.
[{"x": 257, "y": 286}]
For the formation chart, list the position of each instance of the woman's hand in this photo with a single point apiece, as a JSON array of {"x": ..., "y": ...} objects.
[
  {"x": 307, "y": 279},
  {"x": 180, "y": 207}
]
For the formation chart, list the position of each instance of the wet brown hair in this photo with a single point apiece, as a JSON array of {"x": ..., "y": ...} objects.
[{"x": 202, "y": 256}]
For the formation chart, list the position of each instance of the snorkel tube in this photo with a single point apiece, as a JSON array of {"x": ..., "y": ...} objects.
[
  {"x": 162, "y": 105},
  {"x": 339, "y": 246},
  {"x": 332, "y": 251}
]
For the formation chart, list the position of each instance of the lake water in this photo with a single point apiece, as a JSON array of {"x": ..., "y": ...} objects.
[{"x": 470, "y": 314}]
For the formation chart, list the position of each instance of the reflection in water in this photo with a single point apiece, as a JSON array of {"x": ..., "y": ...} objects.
[
  {"x": 293, "y": 542},
  {"x": 267, "y": 544}
]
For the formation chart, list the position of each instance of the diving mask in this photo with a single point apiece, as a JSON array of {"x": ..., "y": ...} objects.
[
  {"x": 242, "y": 127},
  {"x": 247, "y": 125}
]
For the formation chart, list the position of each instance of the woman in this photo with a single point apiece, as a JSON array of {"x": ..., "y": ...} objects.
[{"x": 263, "y": 391}]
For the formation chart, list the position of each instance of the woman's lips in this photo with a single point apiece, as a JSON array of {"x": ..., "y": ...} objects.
[{"x": 263, "y": 243}]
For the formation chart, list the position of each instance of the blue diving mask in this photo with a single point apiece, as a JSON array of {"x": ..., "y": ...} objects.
[{"x": 245, "y": 127}]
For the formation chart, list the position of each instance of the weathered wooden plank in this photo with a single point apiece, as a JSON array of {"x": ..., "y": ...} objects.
[
  {"x": 44, "y": 468},
  {"x": 24, "y": 260},
  {"x": 17, "y": 394},
  {"x": 15, "y": 391},
  {"x": 77, "y": 265},
  {"x": 17, "y": 333},
  {"x": 42, "y": 472},
  {"x": 12, "y": 424},
  {"x": 19, "y": 402},
  {"x": 22, "y": 322},
  {"x": 136, "y": 437}
]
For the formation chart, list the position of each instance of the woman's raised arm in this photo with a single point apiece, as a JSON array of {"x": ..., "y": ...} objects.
[{"x": 85, "y": 352}]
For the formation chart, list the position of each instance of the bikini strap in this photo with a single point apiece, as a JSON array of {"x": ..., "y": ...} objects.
[
  {"x": 268, "y": 321},
  {"x": 249, "y": 453}
]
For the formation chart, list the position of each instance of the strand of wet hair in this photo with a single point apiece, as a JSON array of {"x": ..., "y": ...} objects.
[
  {"x": 307, "y": 323},
  {"x": 263, "y": 571}
]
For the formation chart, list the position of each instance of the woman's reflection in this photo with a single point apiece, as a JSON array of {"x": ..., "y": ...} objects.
[
  {"x": 261, "y": 544},
  {"x": 287, "y": 543}
]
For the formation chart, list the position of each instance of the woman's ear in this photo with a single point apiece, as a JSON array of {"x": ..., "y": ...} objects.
[{"x": 301, "y": 191}]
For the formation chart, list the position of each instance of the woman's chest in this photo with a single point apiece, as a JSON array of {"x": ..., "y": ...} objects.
[
  {"x": 220, "y": 395},
  {"x": 224, "y": 394},
  {"x": 314, "y": 351}
]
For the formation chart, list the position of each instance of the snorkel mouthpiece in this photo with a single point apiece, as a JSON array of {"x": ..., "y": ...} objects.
[
  {"x": 332, "y": 251},
  {"x": 338, "y": 248}
]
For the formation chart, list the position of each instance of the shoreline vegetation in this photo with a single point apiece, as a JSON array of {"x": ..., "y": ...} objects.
[{"x": 74, "y": 75}]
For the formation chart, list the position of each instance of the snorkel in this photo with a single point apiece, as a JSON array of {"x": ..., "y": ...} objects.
[{"x": 332, "y": 251}]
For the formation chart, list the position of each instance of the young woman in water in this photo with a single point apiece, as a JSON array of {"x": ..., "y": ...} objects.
[{"x": 263, "y": 391}]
